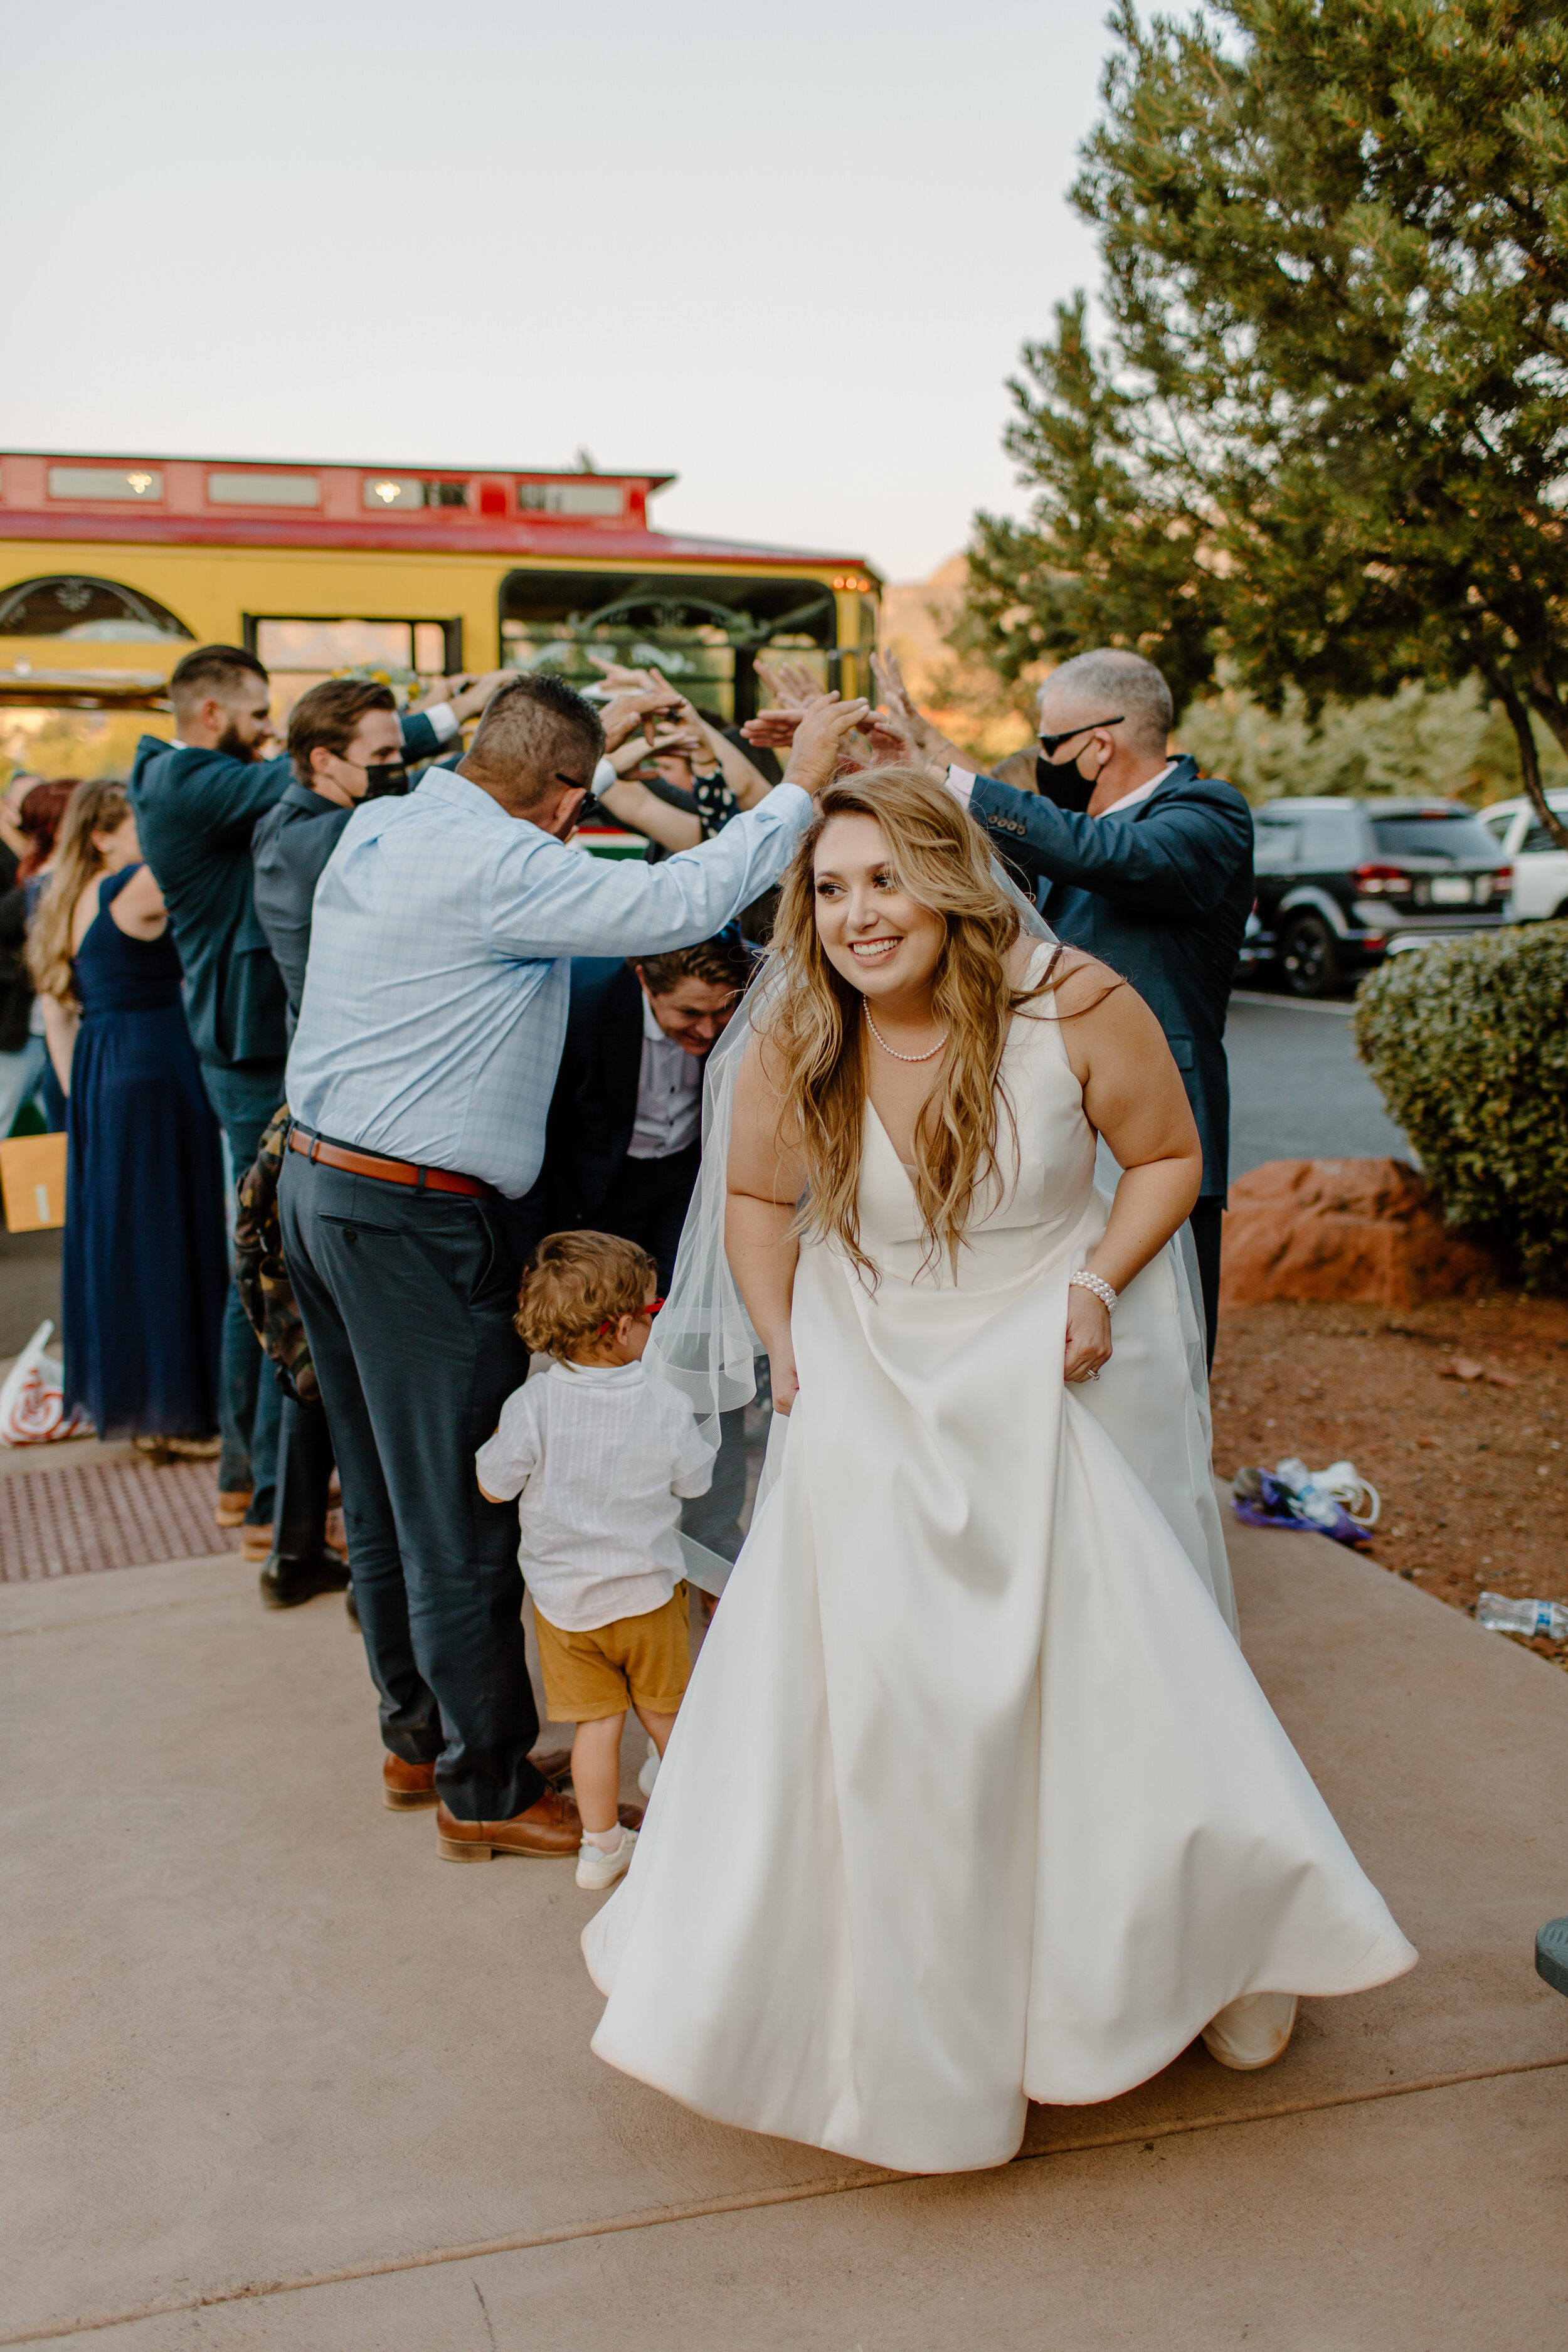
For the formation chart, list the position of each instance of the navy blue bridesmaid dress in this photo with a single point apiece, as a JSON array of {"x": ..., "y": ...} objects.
[{"x": 145, "y": 1276}]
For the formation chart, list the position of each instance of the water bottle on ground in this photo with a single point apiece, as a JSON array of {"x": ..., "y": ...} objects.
[{"x": 1499, "y": 1614}]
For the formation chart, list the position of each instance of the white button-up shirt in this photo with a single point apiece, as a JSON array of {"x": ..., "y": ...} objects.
[
  {"x": 436, "y": 996},
  {"x": 599, "y": 1464},
  {"x": 670, "y": 1094}
]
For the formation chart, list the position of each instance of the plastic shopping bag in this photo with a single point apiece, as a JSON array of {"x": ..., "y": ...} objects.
[{"x": 32, "y": 1402}]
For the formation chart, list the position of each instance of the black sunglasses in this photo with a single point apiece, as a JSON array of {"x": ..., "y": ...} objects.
[
  {"x": 1051, "y": 744},
  {"x": 575, "y": 782}
]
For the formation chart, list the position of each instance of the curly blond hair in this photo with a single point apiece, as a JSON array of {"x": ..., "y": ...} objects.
[{"x": 575, "y": 1282}]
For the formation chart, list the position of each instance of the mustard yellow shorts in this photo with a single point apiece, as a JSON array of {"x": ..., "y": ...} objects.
[{"x": 634, "y": 1662}]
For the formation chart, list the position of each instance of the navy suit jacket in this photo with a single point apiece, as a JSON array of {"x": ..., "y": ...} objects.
[
  {"x": 1161, "y": 895},
  {"x": 595, "y": 1106},
  {"x": 195, "y": 813}
]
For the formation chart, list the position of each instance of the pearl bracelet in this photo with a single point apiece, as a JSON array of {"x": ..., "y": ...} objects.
[{"x": 1097, "y": 1283}]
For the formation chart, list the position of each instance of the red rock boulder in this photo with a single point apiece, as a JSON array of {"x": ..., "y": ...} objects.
[{"x": 1363, "y": 1231}]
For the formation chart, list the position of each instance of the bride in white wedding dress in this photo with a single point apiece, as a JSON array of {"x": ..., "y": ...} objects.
[{"x": 972, "y": 1799}]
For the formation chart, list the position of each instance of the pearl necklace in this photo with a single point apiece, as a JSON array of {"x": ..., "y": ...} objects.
[{"x": 893, "y": 1049}]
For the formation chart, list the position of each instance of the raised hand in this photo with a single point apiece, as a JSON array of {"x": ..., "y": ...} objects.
[
  {"x": 920, "y": 735},
  {"x": 820, "y": 740},
  {"x": 772, "y": 729},
  {"x": 791, "y": 684},
  {"x": 689, "y": 742},
  {"x": 627, "y": 712},
  {"x": 622, "y": 680},
  {"x": 477, "y": 692}
]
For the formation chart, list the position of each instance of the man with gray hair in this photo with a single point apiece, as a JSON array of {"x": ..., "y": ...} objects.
[
  {"x": 429, "y": 1037},
  {"x": 1139, "y": 861}
]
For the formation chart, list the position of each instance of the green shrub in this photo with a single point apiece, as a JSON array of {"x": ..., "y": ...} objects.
[{"x": 1468, "y": 1041}]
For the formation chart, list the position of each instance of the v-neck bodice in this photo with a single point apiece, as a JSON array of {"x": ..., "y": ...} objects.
[{"x": 1045, "y": 1152}]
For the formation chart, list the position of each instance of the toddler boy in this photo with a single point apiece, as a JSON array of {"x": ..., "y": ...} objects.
[{"x": 600, "y": 1463}]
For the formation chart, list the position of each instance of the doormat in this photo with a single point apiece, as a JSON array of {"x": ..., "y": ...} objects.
[{"x": 75, "y": 1521}]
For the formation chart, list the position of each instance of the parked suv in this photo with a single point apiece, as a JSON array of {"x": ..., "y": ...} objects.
[
  {"x": 1540, "y": 866},
  {"x": 1343, "y": 882}
]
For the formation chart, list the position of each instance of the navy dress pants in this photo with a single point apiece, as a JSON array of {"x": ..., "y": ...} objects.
[
  {"x": 249, "y": 1401},
  {"x": 407, "y": 1299},
  {"x": 304, "y": 1480}
]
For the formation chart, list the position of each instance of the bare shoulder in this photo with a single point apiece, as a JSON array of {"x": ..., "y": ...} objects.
[
  {"x": 1083, "y": 984},
  {"x": 138, "y": 908},
  {"x": 1108, "y": 1030},
  {"x": 760, "y": 1078}
]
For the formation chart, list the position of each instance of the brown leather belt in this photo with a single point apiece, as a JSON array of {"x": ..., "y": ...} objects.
[{"x": 388, "y": 1172}]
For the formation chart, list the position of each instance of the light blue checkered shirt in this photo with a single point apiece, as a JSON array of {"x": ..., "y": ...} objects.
[{"x": 436, "y": 994}]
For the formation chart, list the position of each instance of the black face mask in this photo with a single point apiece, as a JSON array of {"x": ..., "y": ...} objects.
[
  {"x": 387, "y": 779},
  {"x": 1063, "y": 784}
]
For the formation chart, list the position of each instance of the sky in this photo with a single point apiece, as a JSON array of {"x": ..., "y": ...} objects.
[{"x": 789, "y": 255}]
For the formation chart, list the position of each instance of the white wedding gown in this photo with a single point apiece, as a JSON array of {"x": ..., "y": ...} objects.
[{"x": 974, "y": 1799}]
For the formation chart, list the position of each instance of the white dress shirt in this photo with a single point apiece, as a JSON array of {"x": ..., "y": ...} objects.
[
  {"x": 670, "y": 1094},
  {"x": 435, "y": 1004},
  {"x": 600, "y": 1463}
]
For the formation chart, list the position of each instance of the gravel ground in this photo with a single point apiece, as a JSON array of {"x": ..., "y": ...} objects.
[{"x": 1473, "y": 1472}]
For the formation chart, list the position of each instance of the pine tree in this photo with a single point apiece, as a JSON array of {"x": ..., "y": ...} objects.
[{"x": 1325, "y": 438}]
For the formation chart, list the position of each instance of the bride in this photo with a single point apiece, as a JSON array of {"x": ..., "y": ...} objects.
[{"x": 972, "y": 1799}]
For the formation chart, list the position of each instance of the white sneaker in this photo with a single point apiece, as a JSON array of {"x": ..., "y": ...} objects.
[
  {"x": 596, "y": 1869},
  {"x": 1252, "y": 2031},
  {"x": 649, "y": 1772}
]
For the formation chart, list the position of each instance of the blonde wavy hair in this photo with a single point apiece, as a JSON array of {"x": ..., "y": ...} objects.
[
  {"x": 816, "y": 1048},
  {"x": 92, "y": 808}
]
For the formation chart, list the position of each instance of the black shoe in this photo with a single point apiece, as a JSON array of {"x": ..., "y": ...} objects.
[
  {"x": 286, "y": 1582},
  {"x": 352, "y": 1606}
]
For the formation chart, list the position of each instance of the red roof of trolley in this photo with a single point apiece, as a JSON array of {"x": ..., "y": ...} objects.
[{"x": 72, "y": 496}]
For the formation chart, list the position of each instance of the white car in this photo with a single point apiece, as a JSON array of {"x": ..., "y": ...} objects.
[{"x": 1540, "y": 867}]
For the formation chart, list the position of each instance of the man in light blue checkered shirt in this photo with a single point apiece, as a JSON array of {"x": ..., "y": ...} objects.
[{"x": 428, "y": 1041}]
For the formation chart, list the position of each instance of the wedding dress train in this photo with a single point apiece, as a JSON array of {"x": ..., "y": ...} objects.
[{"x": 974, "y": 1799}]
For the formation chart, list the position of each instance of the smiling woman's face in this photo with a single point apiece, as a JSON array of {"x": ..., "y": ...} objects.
[{"x": 883, "y": 940}]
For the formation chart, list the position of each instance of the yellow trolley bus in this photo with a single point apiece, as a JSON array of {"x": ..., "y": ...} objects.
[{"x": 112, "y": 568}]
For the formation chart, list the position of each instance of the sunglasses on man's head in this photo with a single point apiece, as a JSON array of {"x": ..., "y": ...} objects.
[
  {"x": 650, "y": 1309},
  {"x": 1051, "y": 744}
]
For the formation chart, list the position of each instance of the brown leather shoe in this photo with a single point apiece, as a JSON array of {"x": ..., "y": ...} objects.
[
  {"x": 256, "y": 1543},
  {"x": 233, "y": 1502},
  {"x": 407, "y": 1787},
  {"x": 552, "y": 1826},
  {"x": 553, "y": 1765}
]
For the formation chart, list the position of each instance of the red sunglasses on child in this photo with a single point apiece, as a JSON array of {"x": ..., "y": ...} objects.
[{"x": 650, "y": 1309}]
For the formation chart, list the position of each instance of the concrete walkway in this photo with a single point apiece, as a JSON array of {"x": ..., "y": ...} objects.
[{"x": 281, "y": 2077}]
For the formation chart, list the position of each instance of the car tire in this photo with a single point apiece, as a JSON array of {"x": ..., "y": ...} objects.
[{"x": 1309, "y": 957}]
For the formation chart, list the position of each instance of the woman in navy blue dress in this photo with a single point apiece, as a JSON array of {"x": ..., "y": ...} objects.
[{"x": 146, "y": 1267}]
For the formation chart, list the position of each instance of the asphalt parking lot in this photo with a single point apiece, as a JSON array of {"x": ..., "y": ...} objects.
[{"x": 1297, "y": 1090}]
